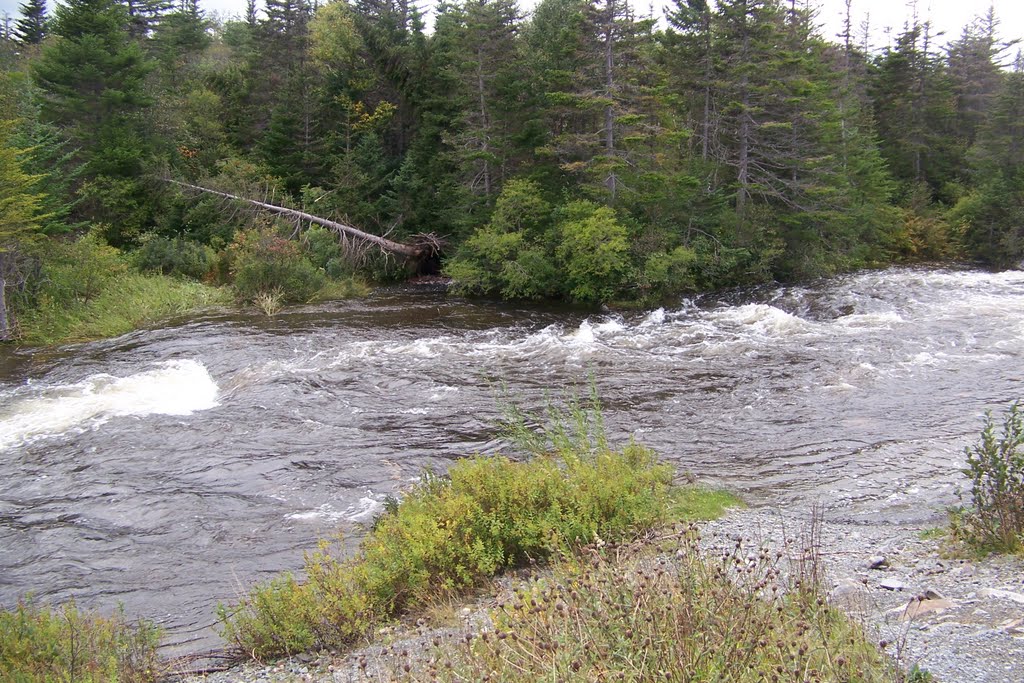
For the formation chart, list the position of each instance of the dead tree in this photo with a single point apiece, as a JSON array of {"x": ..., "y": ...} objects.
[{"x": 422, "y": 248}]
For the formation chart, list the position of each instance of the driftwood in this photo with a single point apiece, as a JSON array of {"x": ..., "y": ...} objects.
[{"x": 424, "y": 246}]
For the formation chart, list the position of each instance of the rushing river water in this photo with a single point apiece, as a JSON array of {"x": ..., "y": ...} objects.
[{"x": 168, "y": 469}]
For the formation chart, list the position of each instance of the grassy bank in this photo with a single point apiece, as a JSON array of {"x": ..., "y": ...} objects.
[
  {"x": 87, "y": 290},
  {"x": 127, "y": 302}
]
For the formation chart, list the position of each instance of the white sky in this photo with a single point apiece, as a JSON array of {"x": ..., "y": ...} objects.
[{"x": 947, "y": 15}]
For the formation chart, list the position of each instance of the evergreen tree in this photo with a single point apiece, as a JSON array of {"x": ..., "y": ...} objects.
[
  {"x": 19, "y": 219},
  {"x": 601, "y": 104},
  {"x": 992, "y": 216},
  {"x": 915, "y": 111},
  {"x": 479, "y": 42},
  {"x": 144, "y": 16},
  {"x": 32, "y": 27},
  {"x": 91, "y": 86},
  {"x": 976, "y": 75}
]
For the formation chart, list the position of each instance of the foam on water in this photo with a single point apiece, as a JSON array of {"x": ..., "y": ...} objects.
[{"x": 177, "y": 387}]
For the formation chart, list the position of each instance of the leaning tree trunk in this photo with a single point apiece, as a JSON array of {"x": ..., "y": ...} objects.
[{"x": 414, "y": 252}]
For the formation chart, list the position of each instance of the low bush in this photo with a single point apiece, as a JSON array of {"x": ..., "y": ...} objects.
[
  {"x": 41, "y": 645},
  {"x": 174, "y": 257},
  {"x": 262, "y": 262},
  {"x": 451, "y": 533},
  {"x": 994, "y": 520},
  {"x": 80, "y": 270}
]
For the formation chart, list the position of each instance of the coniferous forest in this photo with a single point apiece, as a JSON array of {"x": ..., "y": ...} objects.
[{"x": 584, "y": 152}]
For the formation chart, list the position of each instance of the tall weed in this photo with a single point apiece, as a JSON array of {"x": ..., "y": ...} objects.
[{"x": 661, "y": 612}]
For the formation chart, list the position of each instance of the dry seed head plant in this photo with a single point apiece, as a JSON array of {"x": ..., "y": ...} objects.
[{"x": 660, "y": 609}]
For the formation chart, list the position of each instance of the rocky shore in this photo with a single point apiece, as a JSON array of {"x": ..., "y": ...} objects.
[{"x": 960, "y": 620}]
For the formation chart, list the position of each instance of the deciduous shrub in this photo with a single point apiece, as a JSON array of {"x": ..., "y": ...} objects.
[
  {"x": 174, "y": 257},
  {"x": 450, "y": 533},
  {"x": 263, "y": 261},
  {"x": 41, "y": 645},
  {"x": 994, "y": 521}
]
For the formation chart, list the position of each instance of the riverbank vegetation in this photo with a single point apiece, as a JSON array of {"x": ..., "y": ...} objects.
[
  {"x": 583, "y": 152},
  {"x": 663, "y": 609},
  {"x": 450, "y": 534},
  {"x": 993, "y": 519},
  {"x": 42, "y": 645}
]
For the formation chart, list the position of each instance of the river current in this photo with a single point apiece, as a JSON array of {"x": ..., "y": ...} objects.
[{"x": 170, "y": 468}]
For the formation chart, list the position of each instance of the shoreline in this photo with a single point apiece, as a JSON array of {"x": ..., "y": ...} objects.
[{"x": 957, "y": 619}]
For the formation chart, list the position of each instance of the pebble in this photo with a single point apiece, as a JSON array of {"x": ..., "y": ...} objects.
[{"x": 877, "y": 562}]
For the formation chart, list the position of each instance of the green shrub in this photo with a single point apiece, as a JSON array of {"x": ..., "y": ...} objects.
[
  {"x": 81, "y": 269},
  {"x": 263, "y": 261},
  {"x": 39, "y": 644},
  {"x": 492, "y": 513},
  {"x": 995, "y": 465},
  {"x": 594, "y": 251},
  {"x": 174, "y": 257},
  {"x": 451, "y": 533},
  {"x": 321, "y": 246}
]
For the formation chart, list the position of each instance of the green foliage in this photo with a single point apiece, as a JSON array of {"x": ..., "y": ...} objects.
[
  {"x": 512, "y": 254},
  {"x": 42, "y": 645},
  {"x": 995, "y": 465},
  {"x": 594, "y": 250},
  {"x": 321, "y": 247},
  {"x": 450, "y": 533},
  {"x": 86, "y": 290},
  {"x": 20, "y": 201},
  {"x": 263, "y": 261},
  {"x": 666, "y": 611},
  {"x": 91, "y": 88},
  {"x": 174, "y": 257},
  {"x": 79, "y": 270}
]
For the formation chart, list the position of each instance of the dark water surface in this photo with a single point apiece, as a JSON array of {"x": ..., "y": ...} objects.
[{"x": 169, "y": 468}]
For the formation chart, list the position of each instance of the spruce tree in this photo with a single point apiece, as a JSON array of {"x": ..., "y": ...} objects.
[
  {"x": 479, "y": 39},
  {"x": 993, "y": 214},
  {"x": 32, "y": 27},
  {"x": 91, "y": 84}
]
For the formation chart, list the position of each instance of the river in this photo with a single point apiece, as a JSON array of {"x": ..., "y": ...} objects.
[{"x": 169, "y": 468}]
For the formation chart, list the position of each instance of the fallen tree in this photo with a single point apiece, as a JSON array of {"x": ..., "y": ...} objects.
[{"x": 424, "y": 247}]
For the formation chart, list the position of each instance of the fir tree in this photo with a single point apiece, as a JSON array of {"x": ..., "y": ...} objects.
[
  {"x": 91, "y": 86},
  {"x": 32, "y": 27}
]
